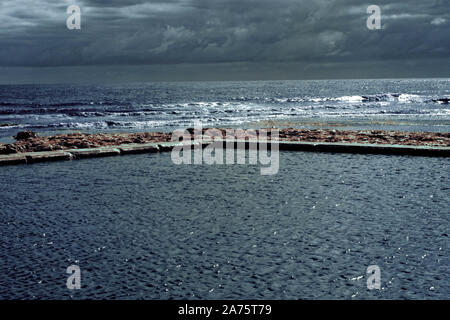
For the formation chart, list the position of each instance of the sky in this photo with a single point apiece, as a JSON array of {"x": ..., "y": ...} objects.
[{"x": 185, "y": 40}]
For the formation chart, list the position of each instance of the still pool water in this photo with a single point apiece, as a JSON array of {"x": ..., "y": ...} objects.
[{"x": 141, "y": 227}]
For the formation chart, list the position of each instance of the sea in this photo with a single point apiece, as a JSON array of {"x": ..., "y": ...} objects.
[
  {"x": 142, "y": 227},
  {"x": 413, "y": 105}
]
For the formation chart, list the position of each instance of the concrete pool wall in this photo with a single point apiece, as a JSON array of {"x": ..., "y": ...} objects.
[{"x": 124, "y": 149}]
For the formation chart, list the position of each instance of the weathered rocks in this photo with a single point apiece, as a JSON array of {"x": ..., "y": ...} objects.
[
  {"x": 24, "y": 135},
  {"x": 8, "y": 149},
  {"x": 367, "y": 136},
  {"x": 28, "y": 141}
]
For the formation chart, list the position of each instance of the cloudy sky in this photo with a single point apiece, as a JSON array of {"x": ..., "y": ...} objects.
[{"x": 177, "y": 40}]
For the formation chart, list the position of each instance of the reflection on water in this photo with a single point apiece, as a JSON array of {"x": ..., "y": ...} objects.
[{"x": 141, "y": 227}]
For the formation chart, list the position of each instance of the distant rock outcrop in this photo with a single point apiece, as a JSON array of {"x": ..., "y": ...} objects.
[{"x": 25, "y": 135}]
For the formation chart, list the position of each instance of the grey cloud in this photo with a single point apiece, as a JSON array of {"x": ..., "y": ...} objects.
[{"x": 138, "y": 32}]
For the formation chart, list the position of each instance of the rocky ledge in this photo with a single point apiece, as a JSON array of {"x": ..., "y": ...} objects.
[
  {"x": 28, "y": 141},
  {"x": 438, "y": 139}
]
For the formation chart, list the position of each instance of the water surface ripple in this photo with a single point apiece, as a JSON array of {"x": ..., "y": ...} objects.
[{"x": 141, "y": 227}]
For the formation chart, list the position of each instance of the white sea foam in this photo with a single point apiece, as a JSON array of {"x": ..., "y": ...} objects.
[{"x": 407, "y": 98}]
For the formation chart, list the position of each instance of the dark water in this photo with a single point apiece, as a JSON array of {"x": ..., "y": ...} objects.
[
  {"x": 415, "y": 104},
  {"x": 141, "y": 227}
]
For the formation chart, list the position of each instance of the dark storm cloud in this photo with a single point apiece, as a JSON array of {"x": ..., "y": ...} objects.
[{"x": 137, "y": 32}]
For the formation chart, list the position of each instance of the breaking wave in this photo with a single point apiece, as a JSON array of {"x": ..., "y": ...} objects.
[{"x": 178, "y": 105}]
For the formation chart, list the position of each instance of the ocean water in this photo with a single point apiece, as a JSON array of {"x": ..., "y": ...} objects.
[
  {"x": 386, "y": 104},
  {"x": 140, "y": 227}
]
